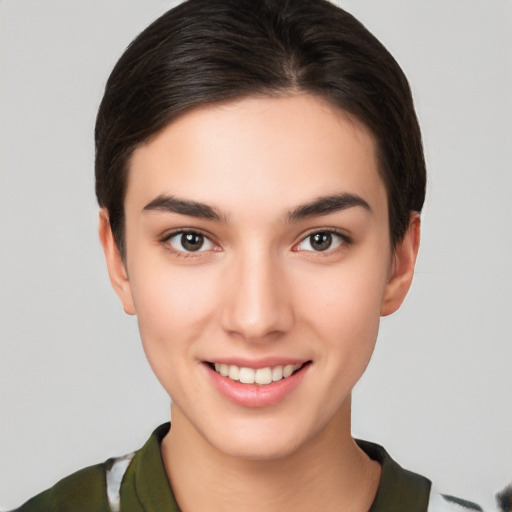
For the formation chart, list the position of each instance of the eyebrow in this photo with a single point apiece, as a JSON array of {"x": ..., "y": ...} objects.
[
  {"x": 172, "y": 204},
  {"x": 326, "y": 204},
  {"x": 320, "y": 206}
]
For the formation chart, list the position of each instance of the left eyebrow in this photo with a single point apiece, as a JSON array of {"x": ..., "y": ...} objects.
[
  {"x": 326, "y": 204},
  {"x": 171, "y": 204}
]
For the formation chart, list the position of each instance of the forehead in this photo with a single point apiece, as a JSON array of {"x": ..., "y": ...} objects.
[{"x": 274, "y": 151}]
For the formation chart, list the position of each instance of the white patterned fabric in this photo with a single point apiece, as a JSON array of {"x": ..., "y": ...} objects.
[
  {"x": 114, "y": 477},
  {"x": 442, "y": 503}
]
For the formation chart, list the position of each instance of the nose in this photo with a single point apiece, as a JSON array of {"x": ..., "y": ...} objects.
[{"x": 257, "y": 302}]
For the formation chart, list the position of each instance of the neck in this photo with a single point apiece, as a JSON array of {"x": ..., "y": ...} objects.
[{"x": 329, "y": 473}]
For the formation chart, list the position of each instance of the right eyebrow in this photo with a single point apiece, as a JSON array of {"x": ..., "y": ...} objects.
[
  {"x": 171, "y": 204},
  {"x": 325, "y": 205}
]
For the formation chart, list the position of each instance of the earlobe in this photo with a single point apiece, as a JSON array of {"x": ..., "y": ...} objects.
[
  {"x": 402, "y": 270},
  {"x": 115, "y": 264}
]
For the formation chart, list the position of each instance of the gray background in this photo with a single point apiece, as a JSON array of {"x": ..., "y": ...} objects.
[{"x": 75, "y": 386}]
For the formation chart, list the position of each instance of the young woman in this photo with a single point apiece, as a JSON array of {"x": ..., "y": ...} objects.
[{"x": 260, "y": 176}]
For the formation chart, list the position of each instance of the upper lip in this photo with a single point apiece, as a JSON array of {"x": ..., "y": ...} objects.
[{"x": 264, "y": 362}]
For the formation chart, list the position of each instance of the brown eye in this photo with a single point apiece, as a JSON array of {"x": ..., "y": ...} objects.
[
  {"x": 190, "y": 241},
  {"x": 321, "y": 241}
]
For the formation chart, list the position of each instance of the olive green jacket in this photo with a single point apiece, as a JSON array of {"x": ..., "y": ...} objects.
[{"x": 138, "y": 483}]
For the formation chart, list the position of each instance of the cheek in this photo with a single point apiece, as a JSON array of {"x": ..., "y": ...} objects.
[
  {"x": 173, "y": 307},
  {"x": 346, "y": 296},
  {"x": 343, "y": 307}
]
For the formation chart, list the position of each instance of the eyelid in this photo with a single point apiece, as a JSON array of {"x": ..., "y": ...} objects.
[
  {"x": 181, "y": 231},
  {"x": 346, "y": 240}
]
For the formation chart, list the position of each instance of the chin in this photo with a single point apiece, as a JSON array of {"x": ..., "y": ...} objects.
[
  {"x": 262, "y": 449},
  {"x": 262, "y": 440}
]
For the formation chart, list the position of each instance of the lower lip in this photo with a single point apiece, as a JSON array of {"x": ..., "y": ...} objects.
[{"x": 254, "y": 395}]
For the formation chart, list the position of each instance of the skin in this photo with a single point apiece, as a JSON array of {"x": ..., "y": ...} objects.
[{"x": 257, "y": 289}]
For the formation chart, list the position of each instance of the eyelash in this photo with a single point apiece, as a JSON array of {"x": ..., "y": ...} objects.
[
  {"x": 344, "y": 241},
  {"x": 183, "y": 253}
]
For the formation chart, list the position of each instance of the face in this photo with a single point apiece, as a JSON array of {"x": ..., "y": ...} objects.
[{"x": 258, "y": 263}]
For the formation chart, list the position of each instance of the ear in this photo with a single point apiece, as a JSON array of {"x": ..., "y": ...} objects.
[
  {"x": 402, "y": 267},
  {"x": 115, "y": 264}
]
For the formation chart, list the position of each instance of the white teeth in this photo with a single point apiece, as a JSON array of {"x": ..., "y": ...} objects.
[
  {"x": 261, "y": 376},
  {"x": 246, "y": 375},
  {"x": 288, "y": 370},
  {"x": 277, "y": 373},
  {"x": 233, "y": 372}
]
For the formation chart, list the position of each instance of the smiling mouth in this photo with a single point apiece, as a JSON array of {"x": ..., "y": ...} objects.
[{"x": 259, "y": 376}]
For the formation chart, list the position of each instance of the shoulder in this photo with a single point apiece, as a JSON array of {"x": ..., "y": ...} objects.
[
  {"x": 95, "y": 488},
  {"x": 84, "y": 491},
  {"x": 99, "y": 488},
  {"x": 401, "y": 490}
]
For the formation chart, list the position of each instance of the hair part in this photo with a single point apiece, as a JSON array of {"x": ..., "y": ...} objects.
[{"x": 203, "y": 52}]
